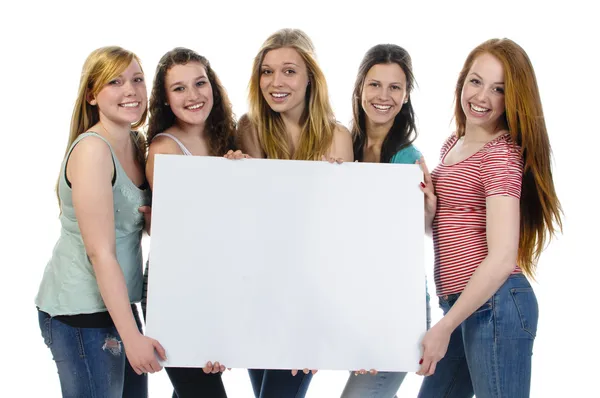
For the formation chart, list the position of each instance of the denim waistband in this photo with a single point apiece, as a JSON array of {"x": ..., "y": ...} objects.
[{"x": 451, "y": 298}]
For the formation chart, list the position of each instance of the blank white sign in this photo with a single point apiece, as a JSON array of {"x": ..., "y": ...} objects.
[{"x": 280, "y": 264}]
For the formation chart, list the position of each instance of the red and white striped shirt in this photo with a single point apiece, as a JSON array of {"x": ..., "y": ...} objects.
[{"x": 459, "y": 226}]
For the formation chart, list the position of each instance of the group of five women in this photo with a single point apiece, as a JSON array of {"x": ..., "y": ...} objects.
[{"x": 490, "y": 206}]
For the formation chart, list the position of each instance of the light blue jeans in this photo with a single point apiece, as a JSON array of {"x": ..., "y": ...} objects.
[
  {"x": 380, "y": 385},
  {"x": 489, "y": 354}
]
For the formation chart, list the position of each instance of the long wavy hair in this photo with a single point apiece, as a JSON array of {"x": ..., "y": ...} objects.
[
  {"x": 540, "y": 207},
  {"x": 100, "y": 67},
  {"x": 403, "y": 131},
  {"x": 220, "y": 124},
  {"x": 317, "y": 121}
]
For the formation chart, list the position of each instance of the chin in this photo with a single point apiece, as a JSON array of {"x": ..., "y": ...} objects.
[
  {"x": 378, "y": 119},
  {"x": 279, "y": 108}
]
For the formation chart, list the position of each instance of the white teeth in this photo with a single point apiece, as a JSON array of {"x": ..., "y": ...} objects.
[
  {"x": 478, "y": 108},
  {"x": 382, "y": 107},
  {"x": 197, "y": 106},
  {"x": 279, "y": 95},
  {"x": 130, "y": 105}
]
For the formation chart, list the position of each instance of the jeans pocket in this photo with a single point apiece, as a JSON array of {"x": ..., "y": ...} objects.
[
  {"x": 46, "y": 328},
  {"x": 486, "y": 306},
  {"x": 527, "y": 308}
]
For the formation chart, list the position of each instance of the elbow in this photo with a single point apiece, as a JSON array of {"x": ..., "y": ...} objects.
[
  {"x": 504, "y": 262},
  {"x": 100, "y": 258},
  {"x": 504, "y": 265}
]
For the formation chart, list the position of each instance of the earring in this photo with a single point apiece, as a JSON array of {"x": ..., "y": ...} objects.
[{"x": 166, "y": 103}]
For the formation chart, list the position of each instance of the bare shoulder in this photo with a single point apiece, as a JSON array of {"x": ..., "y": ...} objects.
[
  {"x": 163, "y": 145},
  {"x": 90, "y": 159},
  {"x": 341, "y": 133},
  {"x": 90, "y": 149},
  {"x": 247, "y": 137},
  {"x": 341, "y": 147},
  {"x": 245, "y": 125}
]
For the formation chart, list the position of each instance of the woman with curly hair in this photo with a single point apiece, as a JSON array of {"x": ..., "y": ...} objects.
[{"x": 190, "y": 114}]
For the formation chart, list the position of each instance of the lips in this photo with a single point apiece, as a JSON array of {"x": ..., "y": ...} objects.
[
  {"x": 279, "y": 97},
  {"x": 195, "y": 107},
  {"x": 478, "y": 109},
  {"x": 130, "y": 105},
  {"x": 381, "y": 108}
]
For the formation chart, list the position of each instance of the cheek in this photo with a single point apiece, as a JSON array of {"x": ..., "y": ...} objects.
[
  {"x": 263, "y": 82},
  {"x": 143, "y": 89},
  {"x": 106, "y": 98},
  {"x": 171, "y": 99},
  {"x": 500, "y": 105},
  {"x": 398, "y": 97},
  {"x": 464, "y": 94},
  {"x": 208, "y": 92},
  {"x": 210, "y": 100},
  {"x": 300, "y": 85},
  {"x": 364, "y": 100}
]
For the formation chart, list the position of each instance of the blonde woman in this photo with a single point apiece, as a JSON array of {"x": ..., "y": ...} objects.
[
  {"x": 86, "y": 300},
  {"x": 290, "y": 117}
]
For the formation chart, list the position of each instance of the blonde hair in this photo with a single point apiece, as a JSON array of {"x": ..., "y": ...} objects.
[
  {"x": 540, "y": 207},
  {"x": 317, "y": 121},
  {"x": 100, "y": 67}
]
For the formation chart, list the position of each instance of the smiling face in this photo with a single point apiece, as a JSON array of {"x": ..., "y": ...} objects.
[
  {"x": 283, "y": 80},
  {"x": 124, "y": 98},
  {"x": 383, "y": 93},
  {"x": 189, "y": 93},
  {"x": 482, "y": 97}
]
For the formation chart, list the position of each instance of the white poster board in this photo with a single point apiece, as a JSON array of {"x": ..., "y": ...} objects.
[{"x": 280, "y": 264}]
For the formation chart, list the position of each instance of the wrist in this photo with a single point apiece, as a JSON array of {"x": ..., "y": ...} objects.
[
  {"x": 129, "y": 336},
  {"x": 448, "y": 324}
]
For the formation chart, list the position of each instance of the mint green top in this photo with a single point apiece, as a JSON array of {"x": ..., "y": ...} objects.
[
  {"x": 408, "y": 155},
  {"x": 69, "y": 284}
]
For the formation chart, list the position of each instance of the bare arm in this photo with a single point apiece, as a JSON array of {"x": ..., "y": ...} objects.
[
  {"x": 90, "y": 170},
  {"x": 341, "y": 146},
  {"x": 160, "y": 145},
  {"x": 429, "y": 194},
  {"x": 503, "y": 242},
  {"x": 247, "y": 138}
]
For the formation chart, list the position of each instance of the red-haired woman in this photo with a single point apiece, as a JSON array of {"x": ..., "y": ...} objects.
[{"x": 496, "y": 208}]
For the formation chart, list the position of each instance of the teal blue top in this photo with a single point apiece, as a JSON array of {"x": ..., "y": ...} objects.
[
  {"x": 69, "y": 284},
  {"x": 407, "y": 155}
]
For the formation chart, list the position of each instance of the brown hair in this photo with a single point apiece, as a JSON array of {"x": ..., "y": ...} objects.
[
  {"x": 220, "y": 124},
  {"x": 404, "y": 130}
]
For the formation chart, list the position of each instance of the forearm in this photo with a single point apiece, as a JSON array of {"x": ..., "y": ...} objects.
[
  {"x": 113, "y": 289},
  {"x": 428, "y": 225},
  {"x": 484, "y": 282}
]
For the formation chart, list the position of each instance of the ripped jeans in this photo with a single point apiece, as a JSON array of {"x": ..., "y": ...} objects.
[{"x": 91, "y": 362}]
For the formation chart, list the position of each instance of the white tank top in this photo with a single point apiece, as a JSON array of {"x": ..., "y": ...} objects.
[{"x": 181, "y": 146}]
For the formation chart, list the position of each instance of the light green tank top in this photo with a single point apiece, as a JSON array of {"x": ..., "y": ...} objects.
[{"x": 69, "y": 284}]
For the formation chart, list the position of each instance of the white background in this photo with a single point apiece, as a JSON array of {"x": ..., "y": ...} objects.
[{"x": 44, "y": 45}]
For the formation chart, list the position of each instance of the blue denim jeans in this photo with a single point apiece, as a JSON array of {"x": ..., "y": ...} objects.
[
  {"x": 382, "y": 384},
  {"x": 279, "y": 383},
  {"x": 489, "y": 354},
  {"x": 91, "y": 362}
]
